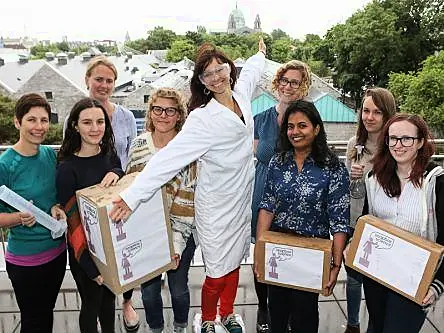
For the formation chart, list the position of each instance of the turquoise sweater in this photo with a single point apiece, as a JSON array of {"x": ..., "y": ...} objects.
[{"x": 33, "y": 178}]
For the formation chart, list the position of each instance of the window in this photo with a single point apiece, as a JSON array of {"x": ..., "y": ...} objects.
[
  {"x": 146, "y": 98},
  {"x": 48, "y": 95}
]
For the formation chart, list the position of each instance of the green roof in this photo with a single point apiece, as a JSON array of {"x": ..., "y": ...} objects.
[
  {"x": 334, "y": 111},
  {"x": 330, "y": 109},
  {"x": 262, "y": 103}
]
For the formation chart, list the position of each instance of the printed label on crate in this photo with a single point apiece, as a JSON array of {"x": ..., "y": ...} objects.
[
  {"x": 294, "y": 265},
  {"x": 91, "y": 226},
  {"x": 391, "y": 259}
]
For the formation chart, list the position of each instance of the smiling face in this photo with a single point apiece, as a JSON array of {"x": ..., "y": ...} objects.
[
  {"x": 286, "y": 92},
  {"x": 164, "y": 123},
  {"x": 404, "y": 155},
  {"x": 216, "y": 77},
  {"x": 33, "y": 126},
  {"x": 300, "y": 131},
  {"x": 91, "y": 126},
  {"x": 372, "y": 116},
  {"x": 100, "y": 83}
]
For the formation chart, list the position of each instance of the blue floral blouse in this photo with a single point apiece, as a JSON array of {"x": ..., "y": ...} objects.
[{"x": 314, "y": 202}]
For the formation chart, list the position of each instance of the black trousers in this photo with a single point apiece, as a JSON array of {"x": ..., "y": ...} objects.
[
  {"x": 97, "y": 301},
  {"x": 36, "y": 289},
  {"x": 298, "y": 307},
  {"x": 390, "y": 312}
]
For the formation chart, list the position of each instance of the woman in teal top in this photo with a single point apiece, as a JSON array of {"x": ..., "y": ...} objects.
[{"x": 35, "y": 262}]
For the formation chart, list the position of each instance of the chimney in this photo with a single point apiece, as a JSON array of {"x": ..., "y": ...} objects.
[
  {"x": 71, "y": 55},
  {"x": 129, "y": 55},
  {"x": 49, "y": 56},
  {"x": 86, "y": 56},
  {"x": 23, "y": 59},
  {"x": 62, "y": 58}
]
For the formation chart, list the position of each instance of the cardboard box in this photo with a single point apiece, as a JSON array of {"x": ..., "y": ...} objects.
[
  {"x": 131, "y": 252},
  {"x": 398, "y": 259},
  {"x": 294, "y": 261}
]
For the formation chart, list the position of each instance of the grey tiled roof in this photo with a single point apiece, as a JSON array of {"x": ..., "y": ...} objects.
[{"x": 13, "y": 74}]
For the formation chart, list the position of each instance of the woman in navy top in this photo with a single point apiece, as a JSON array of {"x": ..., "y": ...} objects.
[
  {"x": 291, "y": 83},
  {"x": 306, "y": 193}
]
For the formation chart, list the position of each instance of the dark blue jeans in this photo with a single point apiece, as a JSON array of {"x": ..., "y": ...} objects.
[
  {"x": 390, "y": 312},
  {"x": 180, "y": 294}
]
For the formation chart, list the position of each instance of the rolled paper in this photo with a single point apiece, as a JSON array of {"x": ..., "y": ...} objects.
[{"x": 56, "y": 227}]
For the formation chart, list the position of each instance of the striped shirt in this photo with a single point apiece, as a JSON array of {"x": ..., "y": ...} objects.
[{"x": 180, "y": 190}]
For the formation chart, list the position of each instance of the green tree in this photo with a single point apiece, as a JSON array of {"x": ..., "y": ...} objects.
[
  {"x": 8, "y": 132},
  {"x": 181, "y": 48},
  {"x": 140, "y": 45},
  {"x": 38, "y": 51},
  {"x": 63, "y": 46},
  {"x": 160, "y": 38},
  {"x": 422, "y": 93},
  {"x": 281, "y": 50},
  {"x": 279, "y": 34}
]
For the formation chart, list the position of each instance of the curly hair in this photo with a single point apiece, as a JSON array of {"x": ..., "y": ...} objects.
[
  {"x": 384, "y": 165},
  {"x": 300, "y": 66},
  {"x": 178, "y": 99},
  {"x": 205, "y": 55},
  {"x": 320, "y": 152},
  {"x": 72, "y": 141}
]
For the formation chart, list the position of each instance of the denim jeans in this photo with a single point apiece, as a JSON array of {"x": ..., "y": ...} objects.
[{"x": 180, "y": 294}]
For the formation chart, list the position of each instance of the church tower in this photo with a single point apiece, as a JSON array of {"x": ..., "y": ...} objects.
[{"x": 257, "y": 24}]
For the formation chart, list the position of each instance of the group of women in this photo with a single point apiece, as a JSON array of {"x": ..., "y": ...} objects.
[{"x": 217, "y": 198}]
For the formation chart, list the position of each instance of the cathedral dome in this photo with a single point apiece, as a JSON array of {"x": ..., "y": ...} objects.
[{"x": 238, "y": 18}]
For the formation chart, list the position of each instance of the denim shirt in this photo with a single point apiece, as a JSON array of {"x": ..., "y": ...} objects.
[{"x": 313, "y": 202}]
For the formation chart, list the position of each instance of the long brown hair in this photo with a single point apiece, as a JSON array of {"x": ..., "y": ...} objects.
[
  {"x": 385, "y": 102},
  {"x": 206, "y": 53},
  {"x": 384, "y": 165}
]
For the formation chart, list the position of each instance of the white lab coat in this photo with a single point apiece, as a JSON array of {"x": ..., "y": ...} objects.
[{"x": 223, "y": 146}]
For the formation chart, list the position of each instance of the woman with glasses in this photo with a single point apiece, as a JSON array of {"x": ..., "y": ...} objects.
[
  {"x": 405, "y": 189},
  {"x": 291, "y": 83},
  {"x": 164, "y": 119},
  {"x": 378, "y": 105},
  {"x": 218, "y": 134}
]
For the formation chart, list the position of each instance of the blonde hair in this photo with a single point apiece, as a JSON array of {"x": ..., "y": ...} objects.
[
  {"x": 296, "y": 65},
  {"x": 178, "y": 99},
  {"x": 100, "y": 60}
]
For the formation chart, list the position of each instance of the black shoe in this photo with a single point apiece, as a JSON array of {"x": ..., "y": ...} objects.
[{"x": 262, "y": 322}]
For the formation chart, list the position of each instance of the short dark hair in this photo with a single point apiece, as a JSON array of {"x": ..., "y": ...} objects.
[
  {"x": 206, "y": 53},
  {"x": 72, "y": 141},
  {"x": 28, "y": 101},
  {"x": 320, "y": 152}
]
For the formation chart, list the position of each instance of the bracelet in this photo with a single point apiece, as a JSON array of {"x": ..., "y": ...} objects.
[{"x": 264, "y": 52}]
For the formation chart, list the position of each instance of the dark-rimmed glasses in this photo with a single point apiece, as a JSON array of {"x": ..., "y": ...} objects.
[
  {"x": 158, "y": 110},
  {"x": 406, "y": 141},
  {"x": 283, "y": 81}
]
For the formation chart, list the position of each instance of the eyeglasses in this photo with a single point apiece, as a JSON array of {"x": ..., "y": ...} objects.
[
  {"x": 406, "y": 141},
  {"x": 158, "y": 110},
  {"x": 222, "y": 70},
  {"x": 283, "y": 81}
]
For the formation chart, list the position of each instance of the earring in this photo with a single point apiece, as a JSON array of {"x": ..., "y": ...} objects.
[
  {"x": 231, "y": 80},
  {"x": 206, "y": 91}
]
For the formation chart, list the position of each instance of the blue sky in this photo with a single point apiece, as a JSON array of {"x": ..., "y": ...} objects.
[{"x": 89, "y": 20}]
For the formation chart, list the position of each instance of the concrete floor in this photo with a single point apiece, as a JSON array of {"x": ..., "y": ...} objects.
[{"x": 332, "y": 309}]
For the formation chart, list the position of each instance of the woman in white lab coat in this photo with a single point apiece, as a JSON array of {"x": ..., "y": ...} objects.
[{"x": 218, "y": 133}]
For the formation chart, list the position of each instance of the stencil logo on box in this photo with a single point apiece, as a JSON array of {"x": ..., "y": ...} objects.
[
  {"x": 278, "y": 254},
  {"x": 121, "y": 235},
  {"x": 129, "y": 252},
  {"x": 89, "y": 219},
  {"x": 377, "y": 240}
]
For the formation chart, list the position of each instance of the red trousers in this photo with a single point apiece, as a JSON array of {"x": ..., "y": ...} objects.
[{"x": 224, "y": 288}]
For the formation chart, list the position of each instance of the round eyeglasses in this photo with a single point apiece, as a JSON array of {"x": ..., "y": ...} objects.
[
  {"x": 158, "y": 110},
  {"x": 406, "y": 141},
  {"x": 283, "y": 81}
]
